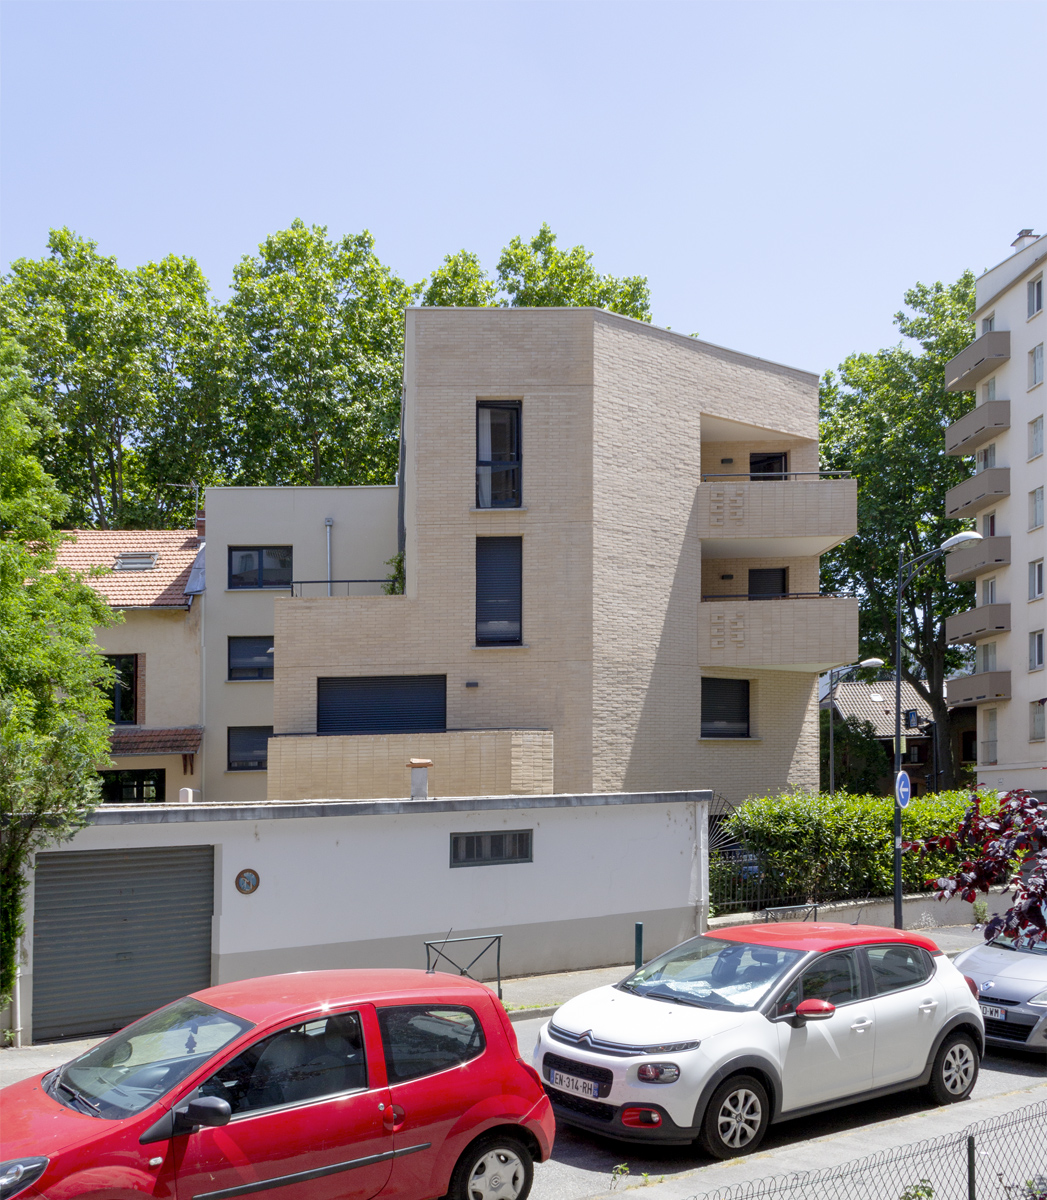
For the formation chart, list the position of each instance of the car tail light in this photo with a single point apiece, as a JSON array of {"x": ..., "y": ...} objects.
[
  {"x": 972, "y": 985},
  {"x": 658, "y": 1073},
  {"x": 637, "y": 1117}
]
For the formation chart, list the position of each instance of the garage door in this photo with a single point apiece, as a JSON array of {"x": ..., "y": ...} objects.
[
  {"x": 382, "y": 704},
  {"x": 117, "y": 933}
]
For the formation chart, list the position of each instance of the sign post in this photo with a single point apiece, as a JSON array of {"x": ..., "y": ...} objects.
[
  {"x": 902, "y": 792},
  {"x": 902, "y": 789}
]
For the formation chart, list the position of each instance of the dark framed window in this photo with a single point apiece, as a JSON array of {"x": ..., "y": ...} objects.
[
  {"x": 499, "y": 591},
  {"x": 498, "y": 463},
  {"x": 422, "y": 1040},
  {"x": 969, "y": 745},
  {"x": 725, "y": 708},
  {"x": 134, "y": 787},
  {"x": 768, "y": 466},
  {"x": 767, "y": 582},
  {"x": 251, "y": 657},
  {"x": 249, "y": 747},
  {"x": 897, "y": 967},
  {"x": 486, "y": 849},
  {"x": 123, "y": 692},
  {"x": 382, "y": 704},
  {"x": 260, "y": 566}
]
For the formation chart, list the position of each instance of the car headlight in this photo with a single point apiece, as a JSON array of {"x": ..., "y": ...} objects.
[
  {"x": 671, "y": 1048},
  {"x": 1040, "y": 999},
  {"x": 658, "y": 1073},
  {"x": 18, "y": 1173}
]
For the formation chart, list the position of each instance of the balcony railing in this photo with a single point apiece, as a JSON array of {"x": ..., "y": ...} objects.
[
  {"x": 977, "y": 427},
  {"x": 977, "y": 491},
  {"x": 988, "y": 755},
  {"x": 977, "y": 361},
  {"x": 976, "y": 558},
  {"x": 302, "y": 588},
  {"x": 806, "y": 633},
  {"x": 776, "y": 596},
  {"x": 982, "y": 688},
  {"x": 760, "y": 476},
  {"x": 977, "y": 623}
]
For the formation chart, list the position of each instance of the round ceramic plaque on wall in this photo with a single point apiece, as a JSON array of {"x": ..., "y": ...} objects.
[{"x": 247, "y": 881}]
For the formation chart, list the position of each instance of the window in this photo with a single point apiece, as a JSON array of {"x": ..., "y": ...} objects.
[
  {"x": 136, "y": 560},
  {"x": 1036, "y": 437},
  {"x": 833, "y": 977},
  {"x": 499, "y": 591},
  {"x": 251, "y": 658},
  {"x": 914, "y": 755},
  {"x": 1036, "y": 721},
  {"x": 1036, "y": 508},
  {"x": 897, "y": 967},
  {"x": 969, "y": 745},
  {"x": 304, "y": 1062},
  {"x": 260, "y": 566},
  {"x": 1034, "y": 290},
  {"x": 985, "y": 656},
  {"x": 768, "y": 466},
  {"x": 989, "y": 525},
  {"x": 1036, "y": 365},
  {"x": 249, "y": 747},
  {"x": 482, "y": 849},
  {"x": 989, "y": 323},
  {"x": 725, "y": 708},
  {"x": 420, "y": 1040},
  {"x": 123, "y": 692},
  {"x": 989, "y": 591},
  {"x": 986, "y": 459},
  {"x": 988, "y": 749},
  {"x": 767, "y": 582},
  {"x": 382, "y": 704},
  {"x": 1036, "y": 580},
  {"x": 912, "y": 718},
  {"x": 1036, "y": 650},
  {"x": 134, "y": 787},
  {"x": 989, "y": 391},
  {"x": 497, "y": 455}
]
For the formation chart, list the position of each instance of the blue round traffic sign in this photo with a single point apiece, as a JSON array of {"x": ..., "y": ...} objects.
[{"x": 902, "y": 789}]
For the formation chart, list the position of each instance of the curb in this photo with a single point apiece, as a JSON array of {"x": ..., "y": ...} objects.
[{"x": 528, "y": 1014}]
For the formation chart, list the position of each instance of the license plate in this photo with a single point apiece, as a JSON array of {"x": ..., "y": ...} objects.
[
  {"x": 994, "y": 1013},
  {"x": 569, "y": 1083}
]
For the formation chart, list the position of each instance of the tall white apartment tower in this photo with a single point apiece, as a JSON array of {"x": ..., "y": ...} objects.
[{"x": 1003, "y": 433}]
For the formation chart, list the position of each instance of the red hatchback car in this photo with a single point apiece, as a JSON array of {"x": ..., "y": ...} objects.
[{"x": 325, "y": 1085}]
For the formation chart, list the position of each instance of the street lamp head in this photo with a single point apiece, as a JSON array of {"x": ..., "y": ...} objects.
[
  {"x": 871, "y": 662},
  {"x": 958, "y": 539}
]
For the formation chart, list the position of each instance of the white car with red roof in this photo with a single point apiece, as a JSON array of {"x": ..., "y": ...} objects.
[{"x": 728, "y": 1033}]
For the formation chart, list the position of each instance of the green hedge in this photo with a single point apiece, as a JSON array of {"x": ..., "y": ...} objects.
[{"x": 821, "y": 848}]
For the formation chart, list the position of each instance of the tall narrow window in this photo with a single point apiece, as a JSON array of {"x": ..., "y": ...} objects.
[
  {"x": 986, "y": 458},
  {"x": 497, "y": 455},
  {"x": 1036, "y": 508},
  {"x": 1036, "y": 722},
  {"x": 989, "y": 391},
  {"x": 725, "y": 708},
  {"x": 1036, "y": 437},
  {"x": 1036, "y": 650},
  {"x": 123, "y": 693},
  {"x": 988, "y": 747},
  {"x": 499, "y": 591},
  {"x": 1036, "y": 580},
  {"x": 1035, "y": 293},
  {"x": 1036, "y": 365},
  {"x": 985, "y": 657},
  {"x": 989, "y": 525},
  {"x": 989, "y": 591},
  {"x": 989, "y": 323}
]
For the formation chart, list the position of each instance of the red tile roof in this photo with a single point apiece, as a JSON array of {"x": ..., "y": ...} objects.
[
  {"x": 161, "y": 586},
  {"x": 854, "y": 698},
  {"x": 125, "y": 742}
]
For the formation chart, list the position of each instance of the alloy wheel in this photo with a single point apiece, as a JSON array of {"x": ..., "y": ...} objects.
[
  {"x": 958, "y": 1068},
  {"x": 739, "y": 1118}
]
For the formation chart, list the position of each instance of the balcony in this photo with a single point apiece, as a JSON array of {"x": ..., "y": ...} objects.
[
  {"x": 979, "y": 426},
  {"x": 743, "y": 518},
  {"x": 977, "y": 623},
  {"x": 787, "y": 633},
  {"x": 466, "y": 762},
  {"x": 977, "y": 558},
  {"x": 978, "y": 361},
  {"x": 977, "y": 492},
  {"x": 983, "y": 688}
]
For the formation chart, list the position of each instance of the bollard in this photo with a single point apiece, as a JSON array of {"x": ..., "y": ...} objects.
[
  {"x": 971, "y": 1186},
  {"x": 639, "y": 944}
]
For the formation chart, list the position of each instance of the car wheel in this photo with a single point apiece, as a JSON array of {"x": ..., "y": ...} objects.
[
  {"x": 736, "y": 1118},
  {"x": 955, "y": 1069},
  {"x": 495, "y": 1167}
]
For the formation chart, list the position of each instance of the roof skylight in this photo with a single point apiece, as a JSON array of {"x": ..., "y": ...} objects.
[{"x": 136, "y": 560}]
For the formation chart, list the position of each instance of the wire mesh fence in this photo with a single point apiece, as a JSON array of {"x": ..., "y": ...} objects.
[{"x": 1004, "y": 1158}]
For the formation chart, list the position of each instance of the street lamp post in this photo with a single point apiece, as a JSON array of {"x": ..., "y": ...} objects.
[
  {"x": 907, "y": 571},
  {"x": 834, "y": 675}
]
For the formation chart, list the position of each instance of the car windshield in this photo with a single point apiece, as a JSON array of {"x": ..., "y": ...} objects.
[
  {"x": 713, "y": 973},
  {"x": 1026, "y": 945},
  {"x": 141, "y": 1063}
]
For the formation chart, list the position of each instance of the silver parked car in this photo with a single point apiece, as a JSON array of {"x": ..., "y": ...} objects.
[{"x": 1012, "y": 991}]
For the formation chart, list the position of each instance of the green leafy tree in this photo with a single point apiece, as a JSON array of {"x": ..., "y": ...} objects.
[
  {"x": 883, "y": 418},
  {"x": 122, "y": 360},
  {"x": 460, "y": 282},
  {"x": 54, "y": 728},
  {"x": 316, "y": 338},
  {"x": 861, "y": 761}
]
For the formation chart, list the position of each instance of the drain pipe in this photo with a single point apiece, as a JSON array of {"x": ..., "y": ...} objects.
[
  {"x": 16, "y": 999},
  {"x": 328, "y": 522}
]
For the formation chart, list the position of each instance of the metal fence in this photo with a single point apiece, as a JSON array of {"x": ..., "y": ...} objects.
[
  {"x": 1004, "y": 1158},
  {"x": 737, "y": 883}
]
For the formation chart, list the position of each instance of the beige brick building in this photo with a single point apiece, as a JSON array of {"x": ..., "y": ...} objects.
[{"x": 588, "y": 506}]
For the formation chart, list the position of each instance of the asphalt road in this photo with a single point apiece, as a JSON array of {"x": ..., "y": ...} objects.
[{"x": 582, "y": 1163}]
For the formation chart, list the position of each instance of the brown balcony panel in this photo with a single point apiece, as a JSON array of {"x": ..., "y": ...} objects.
[
  {"x": 977, "y": 361},
  {"x": 977, "y": 623},
  {"x": 976, "y": 558},
  {"x": 977, "y": 492},
  {"x": 983, "y": 688},
  {"x": 746, "y": 519},
  {"x": 810, "y": 634},
  {"x": 979, "y": 426}
]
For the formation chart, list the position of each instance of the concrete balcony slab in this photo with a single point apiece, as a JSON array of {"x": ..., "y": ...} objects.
[
  {"x": 977, "y": 558},
  {"x": 977, "y": 361},
  {"x": 778, "y": 635},
  {"x": 977, "y": 623},
  {"x": 977, "y": 492},
  {"x": 977, "y": 427},
  {"x": 751, "y": 519},
  {"x": 983, "y": 688}
]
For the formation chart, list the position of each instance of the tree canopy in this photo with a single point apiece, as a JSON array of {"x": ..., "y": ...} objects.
[{"x": 883, "y": 417}]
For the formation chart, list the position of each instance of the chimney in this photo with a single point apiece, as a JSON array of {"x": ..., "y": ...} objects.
[
  {"x": 200, "y": 523},
  {"x": 1025, "y": 237},
  {"x": 419, "y": 777}
]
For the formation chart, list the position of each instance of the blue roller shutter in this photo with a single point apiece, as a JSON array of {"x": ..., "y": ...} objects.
[
  {"x": 499, "y": 590},
  {"x": 382, "y": 704},
  {"x": 725, "y": 708}
]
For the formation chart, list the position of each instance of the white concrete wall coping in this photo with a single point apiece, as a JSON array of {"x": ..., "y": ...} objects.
[{"x": 171, "y": 814}]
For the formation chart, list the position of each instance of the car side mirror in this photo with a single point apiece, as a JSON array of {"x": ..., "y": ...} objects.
[
  {"x": 814, "y": 1010},
  {"x": 204, "y": 1110}
]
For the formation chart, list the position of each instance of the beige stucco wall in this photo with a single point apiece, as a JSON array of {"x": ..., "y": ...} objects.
[{"x": 170, "y": 641}]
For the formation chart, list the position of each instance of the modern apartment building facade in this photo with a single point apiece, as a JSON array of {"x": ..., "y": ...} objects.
[{"x": 1003, "y": 368}]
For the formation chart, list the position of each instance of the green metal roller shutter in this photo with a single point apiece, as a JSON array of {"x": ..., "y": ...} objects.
[{"x": 117, "y": 933}]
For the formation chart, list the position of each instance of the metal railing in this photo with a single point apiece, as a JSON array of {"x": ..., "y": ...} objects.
[
  {"x": 737, "y": 883},
  {"x": 333, "y": 587},
  {"x": 760, "y": 476},
  {"x": 777, "y": 596},
  {"x": 434, "y": 951}
]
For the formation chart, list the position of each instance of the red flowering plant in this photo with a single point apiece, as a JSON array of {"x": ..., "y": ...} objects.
[{"x": 1005, "y": 844}]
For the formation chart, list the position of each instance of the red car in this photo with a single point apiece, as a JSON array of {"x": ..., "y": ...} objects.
[{"x": 325, "y": 1085}]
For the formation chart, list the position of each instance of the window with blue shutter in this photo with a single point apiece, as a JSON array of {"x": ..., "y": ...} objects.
[{"x": 499, "y": 591}]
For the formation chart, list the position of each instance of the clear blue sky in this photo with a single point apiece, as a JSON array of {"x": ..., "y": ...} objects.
[{"x": 781, "y": 172}]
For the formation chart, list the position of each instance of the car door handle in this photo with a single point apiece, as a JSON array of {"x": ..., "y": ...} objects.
[
  {"x": 928, "y": 1006},
  {"x": 862, "y": 1024}
]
